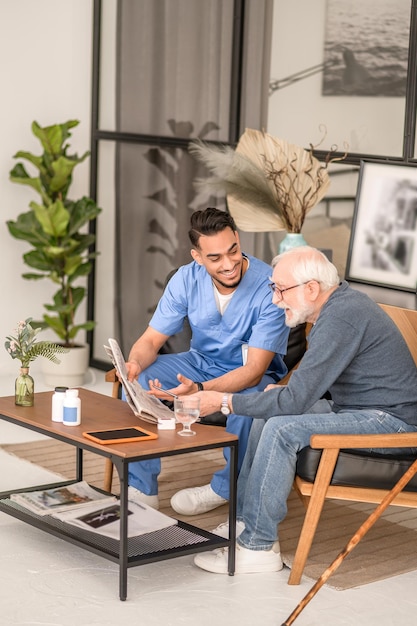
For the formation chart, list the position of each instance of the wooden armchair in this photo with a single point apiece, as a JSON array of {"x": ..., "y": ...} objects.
[{"x": 324, "y": 470}]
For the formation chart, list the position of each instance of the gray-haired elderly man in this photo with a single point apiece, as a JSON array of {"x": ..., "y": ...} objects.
[{"x": 357, "y": 354}]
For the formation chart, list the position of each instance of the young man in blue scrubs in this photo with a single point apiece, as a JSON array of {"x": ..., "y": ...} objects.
[{"x": 238, "y": 339}]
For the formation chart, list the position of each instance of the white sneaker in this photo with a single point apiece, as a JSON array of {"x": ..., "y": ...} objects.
[
  {"x": 247, "y": 561},
  {"x": 223, "y": 529},
  {"x": 196, "y": 500},
  {"x": 137, "y": 496}
]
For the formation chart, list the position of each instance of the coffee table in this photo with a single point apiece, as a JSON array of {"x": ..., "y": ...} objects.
[{"x": 102, "y": 412}]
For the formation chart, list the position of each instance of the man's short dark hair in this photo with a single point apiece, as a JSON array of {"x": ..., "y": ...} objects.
[{"x": 209, "y": 222}]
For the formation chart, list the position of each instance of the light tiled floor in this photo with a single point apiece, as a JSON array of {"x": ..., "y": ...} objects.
[{"x": 45, "y": 581}]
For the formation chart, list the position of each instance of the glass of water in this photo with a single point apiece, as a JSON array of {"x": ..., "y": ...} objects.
[{"x": 187, "y": 411}]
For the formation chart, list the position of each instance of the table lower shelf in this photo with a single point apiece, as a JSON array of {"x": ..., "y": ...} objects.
[{"x": 170, "y": 542}]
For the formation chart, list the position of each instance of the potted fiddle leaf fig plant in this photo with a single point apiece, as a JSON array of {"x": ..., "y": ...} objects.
[{"x": 56, "y": 228}]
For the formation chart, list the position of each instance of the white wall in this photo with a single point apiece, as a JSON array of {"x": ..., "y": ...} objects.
[{"x": 45, "y": 60}]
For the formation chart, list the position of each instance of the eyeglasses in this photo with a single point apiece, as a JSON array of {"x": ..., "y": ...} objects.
[{"x": 278, "y": 292}]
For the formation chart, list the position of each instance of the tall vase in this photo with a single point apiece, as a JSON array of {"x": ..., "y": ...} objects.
[
  {"x": 24, "y": 388},
  {"x": 291, "y": 240}
]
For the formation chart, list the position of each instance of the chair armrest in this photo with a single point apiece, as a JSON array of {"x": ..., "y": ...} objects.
[
  {"x": 284, "y": 380},
  {"x": 111, "y": 376},
  {"x": 394, "y": 440}
]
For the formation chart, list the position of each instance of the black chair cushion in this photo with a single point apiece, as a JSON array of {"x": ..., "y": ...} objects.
[
  {"x": 296, "y": 346},
  {"x": 214, "y": 419},
  {"x": 355, "y": 469}
]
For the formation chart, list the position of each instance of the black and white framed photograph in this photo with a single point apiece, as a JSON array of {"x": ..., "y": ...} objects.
[
  {"x": 360, "y": 57},
  {"x": 383, "y": 241}
]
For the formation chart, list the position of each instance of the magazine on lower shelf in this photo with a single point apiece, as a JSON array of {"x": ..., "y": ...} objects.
[
  {"x": 143, "y": 405},
  {"x": 49, "y": 501},
  {"x": 105, "y": 520}
]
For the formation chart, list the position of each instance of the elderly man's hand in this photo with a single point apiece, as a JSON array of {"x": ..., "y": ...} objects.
[
  {"x": 272, "y": 386},
  {"x": 210, "y": 402}
]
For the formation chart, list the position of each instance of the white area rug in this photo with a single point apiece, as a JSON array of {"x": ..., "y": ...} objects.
[{"x": 16, "y": 473}]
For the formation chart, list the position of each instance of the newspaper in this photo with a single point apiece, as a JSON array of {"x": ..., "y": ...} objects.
[
  {"x": 105, "y": 520},
  {"x": 68, "y": 497},
  {"x": 143, "y": 405}
]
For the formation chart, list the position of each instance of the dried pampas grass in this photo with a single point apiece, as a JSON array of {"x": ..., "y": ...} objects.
[{"x": 270, "y": 183}]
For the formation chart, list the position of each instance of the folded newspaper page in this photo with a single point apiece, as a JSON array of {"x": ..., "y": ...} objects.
[
  {"x": 105, "y": 520},
  {"x": 143, "y": 405},
  {"x": 69, "y": 497}
]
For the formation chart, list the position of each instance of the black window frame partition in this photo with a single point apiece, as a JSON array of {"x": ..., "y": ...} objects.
[
  {"x": 98, "y": 135},
  {"x": 409, "y": 155}
]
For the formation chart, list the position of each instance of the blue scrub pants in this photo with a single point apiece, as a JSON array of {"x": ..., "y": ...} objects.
[{"x": 143, "y": 475}]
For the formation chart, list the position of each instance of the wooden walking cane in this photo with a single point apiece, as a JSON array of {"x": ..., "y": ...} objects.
[{"x": 360, "y": 533}]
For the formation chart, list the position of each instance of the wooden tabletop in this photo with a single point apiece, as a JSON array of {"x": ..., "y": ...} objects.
[{"x": 99, "y": 412}]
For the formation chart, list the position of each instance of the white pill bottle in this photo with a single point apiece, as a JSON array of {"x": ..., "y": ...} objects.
[
  {"x": 72, "y": 408},
  {"x": 58, "y": 398}
]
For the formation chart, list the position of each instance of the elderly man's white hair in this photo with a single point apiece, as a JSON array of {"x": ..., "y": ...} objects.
[{"x": 308, "y": 263}]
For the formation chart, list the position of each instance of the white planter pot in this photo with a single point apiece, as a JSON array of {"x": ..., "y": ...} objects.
[{"x": 71, "y": 370}]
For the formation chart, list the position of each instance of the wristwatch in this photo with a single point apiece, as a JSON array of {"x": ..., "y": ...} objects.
[{"x": 225, "y": 404}]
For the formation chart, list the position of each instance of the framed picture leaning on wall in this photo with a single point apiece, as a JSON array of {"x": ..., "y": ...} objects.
[{"x": 383, "y": 240}]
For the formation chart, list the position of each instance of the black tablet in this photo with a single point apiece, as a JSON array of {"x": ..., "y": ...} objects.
[{"x": 120, "y": 435}]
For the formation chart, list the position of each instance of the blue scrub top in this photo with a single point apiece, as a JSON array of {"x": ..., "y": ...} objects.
[{"x": 250, "y": 318}]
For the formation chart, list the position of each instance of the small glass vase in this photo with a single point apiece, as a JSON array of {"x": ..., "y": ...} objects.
[
  {"x": 24, "y": 388},
  {"x": 291, "y": 240}
]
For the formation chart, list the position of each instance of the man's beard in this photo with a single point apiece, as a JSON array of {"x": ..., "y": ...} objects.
[{"x": 299, "y": 314}]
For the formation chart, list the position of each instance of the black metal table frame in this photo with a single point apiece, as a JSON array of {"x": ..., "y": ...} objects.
[{"x": 190, "y": 539}]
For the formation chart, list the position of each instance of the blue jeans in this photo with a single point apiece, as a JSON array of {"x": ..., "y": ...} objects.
[
  {"x": 144, "y": 474},
  {"x": 268, "y": 471}
]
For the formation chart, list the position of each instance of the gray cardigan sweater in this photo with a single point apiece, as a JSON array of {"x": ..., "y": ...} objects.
[{"x": 356, "y": 352}]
